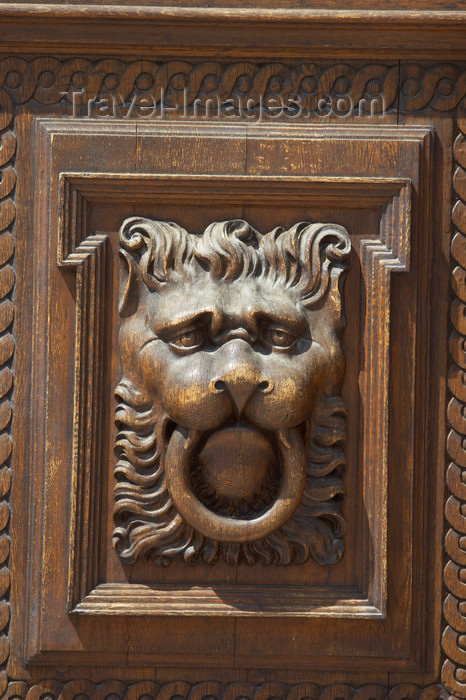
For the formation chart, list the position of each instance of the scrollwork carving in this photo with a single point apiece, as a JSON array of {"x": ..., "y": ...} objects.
[
  {"x": 7, "y": 279},
  {"x": 148, "y": 690},
  {"x": 231, "y": 430},
  {"x": 440, "y": 87},
  {"x": 453, "y": 673},
  {"x": 49, "y": 80}
]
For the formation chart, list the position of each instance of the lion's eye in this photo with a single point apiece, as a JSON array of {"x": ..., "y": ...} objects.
[
  {"x": 278, "y": 337},
  {"x": 189, "y": 340}
]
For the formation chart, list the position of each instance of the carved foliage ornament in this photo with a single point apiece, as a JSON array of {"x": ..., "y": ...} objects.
[{"x": 231, "y": 430}]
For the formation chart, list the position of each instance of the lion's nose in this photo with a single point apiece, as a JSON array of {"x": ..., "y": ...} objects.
[{"x": 240, "y": 389}]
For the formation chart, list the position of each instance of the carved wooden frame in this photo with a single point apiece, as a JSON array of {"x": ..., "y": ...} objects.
[
  {"x": 387, "y": 253},
  {"x": 76, "y": 248},
  {"x": 453, "y": 675}
]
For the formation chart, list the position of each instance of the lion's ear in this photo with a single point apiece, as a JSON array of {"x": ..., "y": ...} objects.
[
  {"x": 129, "y": 285},
  {"x": 323, "y": 251}
]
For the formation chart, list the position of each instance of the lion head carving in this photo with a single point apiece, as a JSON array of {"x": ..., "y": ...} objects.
[{"x": 231, "y": 430}]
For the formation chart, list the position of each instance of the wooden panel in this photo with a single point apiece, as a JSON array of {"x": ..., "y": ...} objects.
[
  {"x": 375, "y": 616},
  {"x": 268, "y": 187}
]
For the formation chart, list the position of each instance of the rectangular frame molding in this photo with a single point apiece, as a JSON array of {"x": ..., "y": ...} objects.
[{"x": 379, "y": 256}]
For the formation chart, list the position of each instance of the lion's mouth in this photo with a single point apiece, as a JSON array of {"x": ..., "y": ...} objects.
[{"x": 236, "y": 470}]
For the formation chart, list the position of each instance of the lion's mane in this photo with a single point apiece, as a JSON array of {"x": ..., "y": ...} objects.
[{"x": 149, "y": 524}]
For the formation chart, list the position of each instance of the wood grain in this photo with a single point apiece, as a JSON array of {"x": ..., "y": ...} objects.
[
  {"x": 388, "y": 164},
  {"x": 383, "y": 29},
  {"x": 419, "y": 90}
]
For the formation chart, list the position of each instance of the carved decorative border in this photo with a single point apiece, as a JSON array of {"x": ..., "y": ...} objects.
[
  {"x": 239, "y": 690},
  {"x": 441, "y": 88},
  {"x": 7, "y": 279},
  {"x": 454, "y": 671},
  {"x": 48, "y": 80}
]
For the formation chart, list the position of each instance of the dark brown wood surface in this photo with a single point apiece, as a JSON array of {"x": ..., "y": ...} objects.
[
  {"x": 382, "y": 29},
  {"x": 85, "y": 622}
]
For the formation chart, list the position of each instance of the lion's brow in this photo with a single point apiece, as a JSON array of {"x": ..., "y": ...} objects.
[
  {"x": 218, "y": 320},
  {"x": 167, "y": 327}
]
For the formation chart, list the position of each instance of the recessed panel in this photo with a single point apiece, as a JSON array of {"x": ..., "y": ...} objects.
[{"x": 249, "y": 319}]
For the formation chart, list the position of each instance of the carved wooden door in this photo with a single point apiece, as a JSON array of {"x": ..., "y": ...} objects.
[{"x": 231, "y": 313}]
